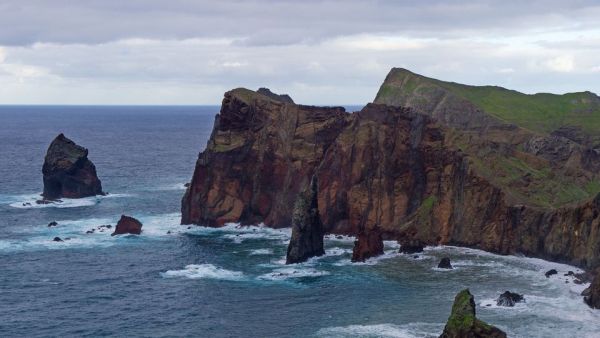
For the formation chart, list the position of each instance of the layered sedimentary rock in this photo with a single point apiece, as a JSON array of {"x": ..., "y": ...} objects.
[
  {"x": 385, "y": 167},
  {"x": 127, "y": 225},
  {"x": 463, "y": 322},
  {"x": 68, "y": 172},
  {"x": 368, "y": 244},
  {"x": 307, "y": 229}
]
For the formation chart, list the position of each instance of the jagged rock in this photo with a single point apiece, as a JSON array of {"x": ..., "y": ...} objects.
[
  {"x": 463, "y": 322},
  {"x": 592, "y": 293},
  {"x": 368, "y": 244},
  {"x": 279, "y": 97},
  {"x": 550, "y": 273},
  {"x": 128, "y": 225},
  {"x": 411, "y": 246},
  {"x": 68, "y": 172},
  {"x": 57, "y": 239},
  {"x": 384, "y": 166},
  {"x": 509, "y": 299},
  {"x": 52, "y": 224},
  {"x": 445, "y": 263},
  {"x": 307, "y": 230}
]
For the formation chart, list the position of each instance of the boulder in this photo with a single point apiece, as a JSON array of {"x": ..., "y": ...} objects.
[
  {"x": 411, "y": 246},
  {"x": 550, "y": 273},
  {"x": 68, "y": 172},
  {"x": 592, "y": 294},
  {"x": 57, "y": 239},
  {"x": 445, "y": 263},
  {"x": 128, "y": 225},
  {"x": 368, "y": 244},
  {"x": 52, "y": 224},
  {"x": 509, "y": 299},
  {"x": 307, "y": 229},
  {"x": 463, "y": 322}
]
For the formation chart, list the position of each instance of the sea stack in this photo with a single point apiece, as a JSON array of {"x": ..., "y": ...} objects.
[
  {"x": 464, "y": 323},
  {"x": 368, "y": 244},
  {"x": 128, "y": 225},
  {"x": 307, "y": 229},
  {"x": 68, "y": 172}
]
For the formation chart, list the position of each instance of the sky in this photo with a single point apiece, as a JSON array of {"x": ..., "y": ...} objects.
[{"x": 320, "y": 52}]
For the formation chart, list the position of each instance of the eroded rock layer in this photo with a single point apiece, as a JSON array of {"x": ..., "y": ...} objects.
[{"x": 385, "y": 167}]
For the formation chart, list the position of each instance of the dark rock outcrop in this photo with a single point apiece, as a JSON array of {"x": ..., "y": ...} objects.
[
  {"x": 57, "y": 239},
  {"x": 386, "y": 167},
  {"x": 368, "y": 244},
  {"x": 285, "y": 98},
  {"x": 463, "y": 322},
  {"x": 52, "y": 224},
  {"x": 509, "y": 299},
  {"x": 127, "y": 225},
  {"x": 68, "y": 172},
  {"x": 445, "y": 263},
  {"x": 592, "y": 293},
  {"x": 307, "y": 230},
  {"x": 411, "y": 246},
  {"x": 550, "y": 273}
]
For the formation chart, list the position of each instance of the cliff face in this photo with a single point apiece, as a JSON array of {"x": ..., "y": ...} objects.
[
  {"x": 261, "y": 153},
  {"x": 68, "y": 172},
  {"x": 383, "y": 167}
]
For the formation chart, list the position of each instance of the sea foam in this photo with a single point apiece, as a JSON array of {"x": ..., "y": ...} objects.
[{"x": 200, "y": 271}]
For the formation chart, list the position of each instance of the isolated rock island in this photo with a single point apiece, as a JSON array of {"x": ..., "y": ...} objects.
[{"x": 67, "y": 171}]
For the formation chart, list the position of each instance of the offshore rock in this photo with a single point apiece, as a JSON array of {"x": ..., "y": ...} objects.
[
  {"x": 445, "y": 263},
  {"x": 463, "y": 322},
  {"x": 592, "y": 294},
  {"x": 368, "y": 244},
  {"x": 411, "y": 246},
  {"x": 550, "y": 273},
  {"x": 127, "y": 225},
  {"x": 68, "y": 172},
  {"x": 307, "y": 230},
  {"x": 509, "y": 299}
]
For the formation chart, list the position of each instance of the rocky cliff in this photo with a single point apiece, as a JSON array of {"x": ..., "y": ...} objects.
[
  {"x": 386, "y": 167},
  {"x": 68, "y": 172},
  {"x": 463, "y": 322}
]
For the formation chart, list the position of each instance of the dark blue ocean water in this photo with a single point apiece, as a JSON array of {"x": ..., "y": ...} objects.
[{"x": 228, "y": 282}]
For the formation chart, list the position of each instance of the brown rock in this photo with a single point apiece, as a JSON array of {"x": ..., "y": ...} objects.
[
  {"x": 592, "y": 294},
  {"x": 368, "y": 244},
  {"x": 128, "y": 225},
  {"x": 68, "y": 172}
]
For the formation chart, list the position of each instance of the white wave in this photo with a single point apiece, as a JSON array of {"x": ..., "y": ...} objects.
[
  {"x": 340, "y": 238},
  {"x": 383, "y": 330},
  {"x": 169, "y": 187},
  {"x": 371, "y": 261},
  {"x": 261, "y": 252},
  {"x": 30, "y": 201},
  {"x": 292, "y": 272},
  {"x": 209, "y": 271},
  {"x": 335, "y": 251}
]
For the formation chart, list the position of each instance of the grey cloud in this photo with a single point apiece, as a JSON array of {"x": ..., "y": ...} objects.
[{"x": 271, "y": 22}]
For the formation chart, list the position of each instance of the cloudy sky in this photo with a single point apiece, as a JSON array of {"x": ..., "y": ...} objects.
[{"x": 320, "y": 52}]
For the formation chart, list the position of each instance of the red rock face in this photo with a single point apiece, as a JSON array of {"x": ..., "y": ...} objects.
[
  {"x": 384, "y": 167},
  {"x": 128, "y": 225},
  {"x": 368, "y": 244}
]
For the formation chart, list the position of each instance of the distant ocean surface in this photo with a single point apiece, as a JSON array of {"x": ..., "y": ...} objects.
[{"x": 229, "y": 282}]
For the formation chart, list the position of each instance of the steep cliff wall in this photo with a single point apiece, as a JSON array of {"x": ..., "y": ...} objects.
[{"x": 383, "y": 166}]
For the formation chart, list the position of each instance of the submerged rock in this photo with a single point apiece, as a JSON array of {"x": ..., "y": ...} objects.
[
  {"x": 68, "y": 172},
  {"x": 128, "y": 225},
  {"x": 368, "y": 244},
  {"x": 52, "y": 224},
  {"x": 445, "y": 263},
  {"x": 57, "y": 239},
  {"x": 592, "y": 293},
  {"x": 307, "y": 229},
  {"x": 463, "y": 322},
  {"x": 509, "y": 299},
  {"x": 550, "y": 273},
  {"x": 411, "y": 246}
]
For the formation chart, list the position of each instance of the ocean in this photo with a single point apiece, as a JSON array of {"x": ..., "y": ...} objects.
[{"x": 175, "y": 280}]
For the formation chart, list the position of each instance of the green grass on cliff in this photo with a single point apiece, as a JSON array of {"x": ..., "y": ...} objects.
[{"x": 539, "y": 112}]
